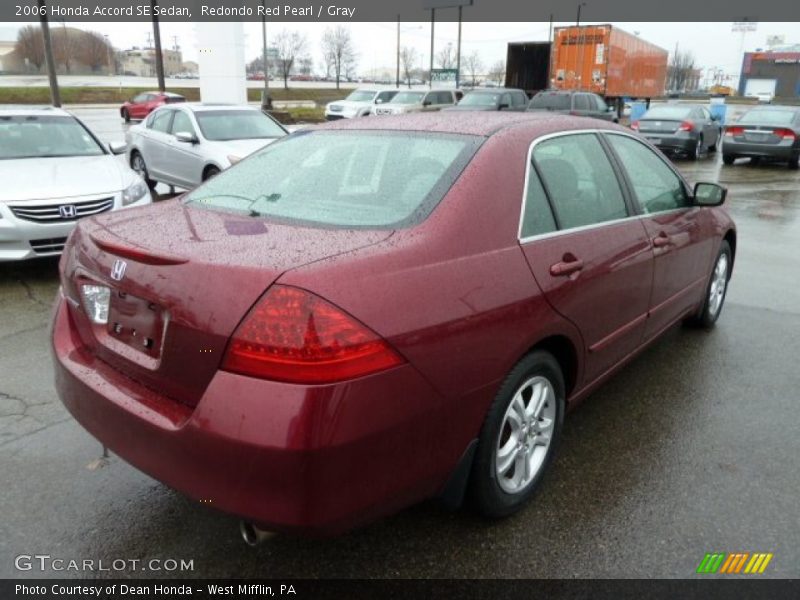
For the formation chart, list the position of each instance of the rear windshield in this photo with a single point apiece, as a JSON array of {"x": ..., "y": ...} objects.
[
  {"x": 45, "y": 137},
  {"x": 550, "y": 101},
  {"x": 348, "y": 179},
  {"x": 175, "y": 99},
  {"x": 225, "y": 125},
  {"x": 480, "y": 99},
  {"x": 407, "y": 98},
  {"x": 668, "y": 113},
  {"x": 767, "y": 117}
]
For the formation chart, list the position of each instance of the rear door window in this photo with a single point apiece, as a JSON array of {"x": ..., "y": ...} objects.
[
  {"x": 182, "y": 123},
  {"x": 656, "y": 186},
  {"x": 161, "y": 120},
  {"x": 580, "y": 180},
  {"x": 518, "y": 100},
  {"x": 384, "y": 97},
  {"x": 551, "y": 101},
  {"x": 581, "y": 102}
]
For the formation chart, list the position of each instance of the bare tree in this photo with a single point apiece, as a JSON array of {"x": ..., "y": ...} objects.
[
  {"x": 497, "y": 72},
  {"x": 30, "y": 45},
  {"x": 337, "y": 50},
  {"x": 446, "y": 58},
  {"x": 408, "y": 58},
  {"x": 94, "y": 50},
  {"x": 473, "y": 65},
  {"x": 289, "y": 44},
  {"x": 65, "y": 41},
  {"x": 681, "y": 71}
]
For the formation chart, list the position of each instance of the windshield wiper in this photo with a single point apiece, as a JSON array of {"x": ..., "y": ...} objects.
[{"x": 274, "y": 197}]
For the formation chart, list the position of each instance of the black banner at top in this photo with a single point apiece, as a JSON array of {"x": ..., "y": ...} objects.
[{"x": 408, "y": 10}]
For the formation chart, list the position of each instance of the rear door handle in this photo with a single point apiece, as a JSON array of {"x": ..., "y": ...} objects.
[
  {"x": 568, "y": 266},
  {"x": 662, "y": 240}
]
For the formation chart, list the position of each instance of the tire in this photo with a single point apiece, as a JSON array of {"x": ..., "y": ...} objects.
[
  {"x": 126, "y": 115},
  {"x": 794, "y": 162},
  {"x": 715, "y": 297},
  {"x": 210, "y": 172},
  {"x": 138, "y": 165},
  {"x": 728, "y": 159},
  {"x": 694, "y": 153},
  {"x": 498, "y": 490}
]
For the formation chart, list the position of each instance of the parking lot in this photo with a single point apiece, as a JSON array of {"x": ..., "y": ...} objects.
[{"x": 690, "y": 449}]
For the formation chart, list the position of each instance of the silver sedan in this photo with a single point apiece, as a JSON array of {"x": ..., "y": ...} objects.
[{"x": 183, "y": 145}]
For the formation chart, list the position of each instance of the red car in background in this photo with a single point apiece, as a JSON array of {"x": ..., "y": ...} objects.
[
  {"x": 380, "y": 311},
  {"x": 138, "y": 107}
]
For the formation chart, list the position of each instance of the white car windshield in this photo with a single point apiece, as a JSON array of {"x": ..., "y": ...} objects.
[
  {"x": 407, "y": 98},
  {"x": 344, "y": 179},
  {"x": 361, "y": 96},
  {"x": 32, "y": 136},
  {"x": 226, "y": 125}
]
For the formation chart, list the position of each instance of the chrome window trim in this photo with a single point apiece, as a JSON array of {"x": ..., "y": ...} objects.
[{"x": 558, "y": 232}]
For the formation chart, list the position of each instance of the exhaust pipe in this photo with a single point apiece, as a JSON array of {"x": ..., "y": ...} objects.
[{"x": 252, "y": 535}]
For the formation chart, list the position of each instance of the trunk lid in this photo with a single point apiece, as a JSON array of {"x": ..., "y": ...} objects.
[
  {"x": 659, "y": 125},
  {"x": 190, "y": 276}
]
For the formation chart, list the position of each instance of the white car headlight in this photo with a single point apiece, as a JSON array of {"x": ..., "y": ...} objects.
[{"x": 134, "y": 192}]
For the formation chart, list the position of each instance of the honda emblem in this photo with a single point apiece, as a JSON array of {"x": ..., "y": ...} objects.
[
  {"x": 118, "y": 270},
  {"x": 67, "y": 211}
]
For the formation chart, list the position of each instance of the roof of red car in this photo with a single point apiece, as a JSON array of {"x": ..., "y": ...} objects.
[{"x": 469, "y": 123}]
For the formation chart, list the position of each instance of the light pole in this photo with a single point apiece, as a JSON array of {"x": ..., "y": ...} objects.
[
  {"x": 55, "y": 94},
  {"x": 578, "y": 19},
  {"x": 266, "y": 99},
  {"x": 108, "y": 55}
]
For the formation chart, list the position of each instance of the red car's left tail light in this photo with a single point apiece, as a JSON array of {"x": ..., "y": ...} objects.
[{"x": 295, "y": 336}]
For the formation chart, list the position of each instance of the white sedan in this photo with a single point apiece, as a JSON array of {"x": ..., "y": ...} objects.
[
  {"x": 185, "y": 144},
  {"x": 55, "y": 171}
]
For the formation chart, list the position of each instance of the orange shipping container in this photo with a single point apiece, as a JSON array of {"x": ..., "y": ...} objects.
[{"x": 608, "y": 61}]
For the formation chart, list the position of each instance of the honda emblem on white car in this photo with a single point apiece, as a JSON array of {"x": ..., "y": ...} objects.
[
  {"x": 67, "y": 211},
  {"x": 118, "y": 270}
]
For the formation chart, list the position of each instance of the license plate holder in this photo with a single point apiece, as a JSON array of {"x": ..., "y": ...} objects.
[
  {"x": 136, "y": 322},
  {"x": 756, "y": 137}
]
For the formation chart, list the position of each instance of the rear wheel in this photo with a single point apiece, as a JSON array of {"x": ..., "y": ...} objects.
[
  {"x": 696, "y": 150},
  {"x": 519, "y": 436},
  {"x": 138, "y": 165},
  {"x": 210, "y": 172},
  {"x": 716, "y": 290},
  {"x": 126, "y": 115},
  {"x": 794, "y": 162},
  {"x": 728, "y": 159}
]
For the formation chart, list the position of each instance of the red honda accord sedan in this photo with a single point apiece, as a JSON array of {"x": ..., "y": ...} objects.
[{"x": 375, "y": 312}]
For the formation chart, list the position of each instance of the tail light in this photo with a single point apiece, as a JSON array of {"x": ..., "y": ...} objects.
[
  {"x": 786, "y": 134},
  {"x": 635, "y": 125},
  {"x": 732, "y": 131},
  {"x": 295, "y": 336},
  {"x": 686, "y": 126}
]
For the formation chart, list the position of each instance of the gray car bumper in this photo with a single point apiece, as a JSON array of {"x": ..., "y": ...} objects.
[{"x": 781, "y": 151}]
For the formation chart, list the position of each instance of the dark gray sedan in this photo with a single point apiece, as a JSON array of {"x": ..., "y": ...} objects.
[
  {"x": 493, "y": 99},
  {"x": 683, "y": 129},
  {"x": 579, "y": 104},
  {"x": 768, "y": 132}
]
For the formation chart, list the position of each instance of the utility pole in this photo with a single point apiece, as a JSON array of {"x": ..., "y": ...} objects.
[
  {"x": 159, "y": 58},
  {"x": 458, "y": 50},
  {"x": 55, "y": 94},
  {"x": 397, "y": 76},
  {"x": 578, "y": 19},
  {"x": 430, "y": 74},
  {"x": 266, "y": 99}
]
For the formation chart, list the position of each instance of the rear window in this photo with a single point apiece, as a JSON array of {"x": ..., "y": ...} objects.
[
  {"x": 348, "y": 179},
  {"x": 767, "y": 117},
  {"x": 550, "y": 101},
  {"x": 668, "y": 113}
]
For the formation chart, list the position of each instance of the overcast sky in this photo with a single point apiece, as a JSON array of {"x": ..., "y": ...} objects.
[{"x": 713, "y": 44}]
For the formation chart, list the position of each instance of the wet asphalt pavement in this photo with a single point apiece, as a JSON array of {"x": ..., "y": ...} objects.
[{"x": 692, "y": 448}]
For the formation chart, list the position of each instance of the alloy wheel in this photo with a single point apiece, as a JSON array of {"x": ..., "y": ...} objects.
[{"x": 719, "y": 282}]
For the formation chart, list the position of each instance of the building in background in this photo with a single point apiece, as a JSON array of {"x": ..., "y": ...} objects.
[
  {"x": 10, "y": 60},
  {"x": 141, "y": 62},
  {"x": 775, "y": 71}
]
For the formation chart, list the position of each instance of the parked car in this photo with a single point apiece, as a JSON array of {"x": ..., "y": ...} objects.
[
  {"x": 414, "y": 101},
  {"x": 141, "y": 105},
  {"x": 764, "y": 132},
  {"x": 312, "y": 361},
  {"x": 580, "y": 104},
  {"x": 497, "y": 99},
  {"x": 685, "y": 129},
  {"x": 54, "y": 172},
  {"x": 188, "y": 143},
  {"x": 357, "y": 104}
]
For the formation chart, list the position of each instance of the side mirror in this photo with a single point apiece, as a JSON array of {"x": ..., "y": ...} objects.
[
  {"x": 503, "y": 106},
  {"x": 117, "y": 147},
  {"x": 427, "y": 103},
  {"x": 186, "y": 137},
  {"x": 379, "y": 101},
  {"x": 709, "y": 194}
]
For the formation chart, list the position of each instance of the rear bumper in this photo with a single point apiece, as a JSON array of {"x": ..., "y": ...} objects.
[
  {"x": 316, "y": 460},
  {"x": 781, "y": 151},
  {"x": 673, "y": 143}
]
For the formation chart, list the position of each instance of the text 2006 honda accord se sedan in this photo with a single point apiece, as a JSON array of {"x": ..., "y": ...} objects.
[{"x": 376, "y": 312}]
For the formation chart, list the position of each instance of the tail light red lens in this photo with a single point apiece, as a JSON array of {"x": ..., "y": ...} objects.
[
  {"x": 635, "y": 125},
  {"x": 786, "y": 134},
  {"x": 686, "y": 126},
  {"x": 295, "y": 336},
  {"x": 731, "y": 131}
]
